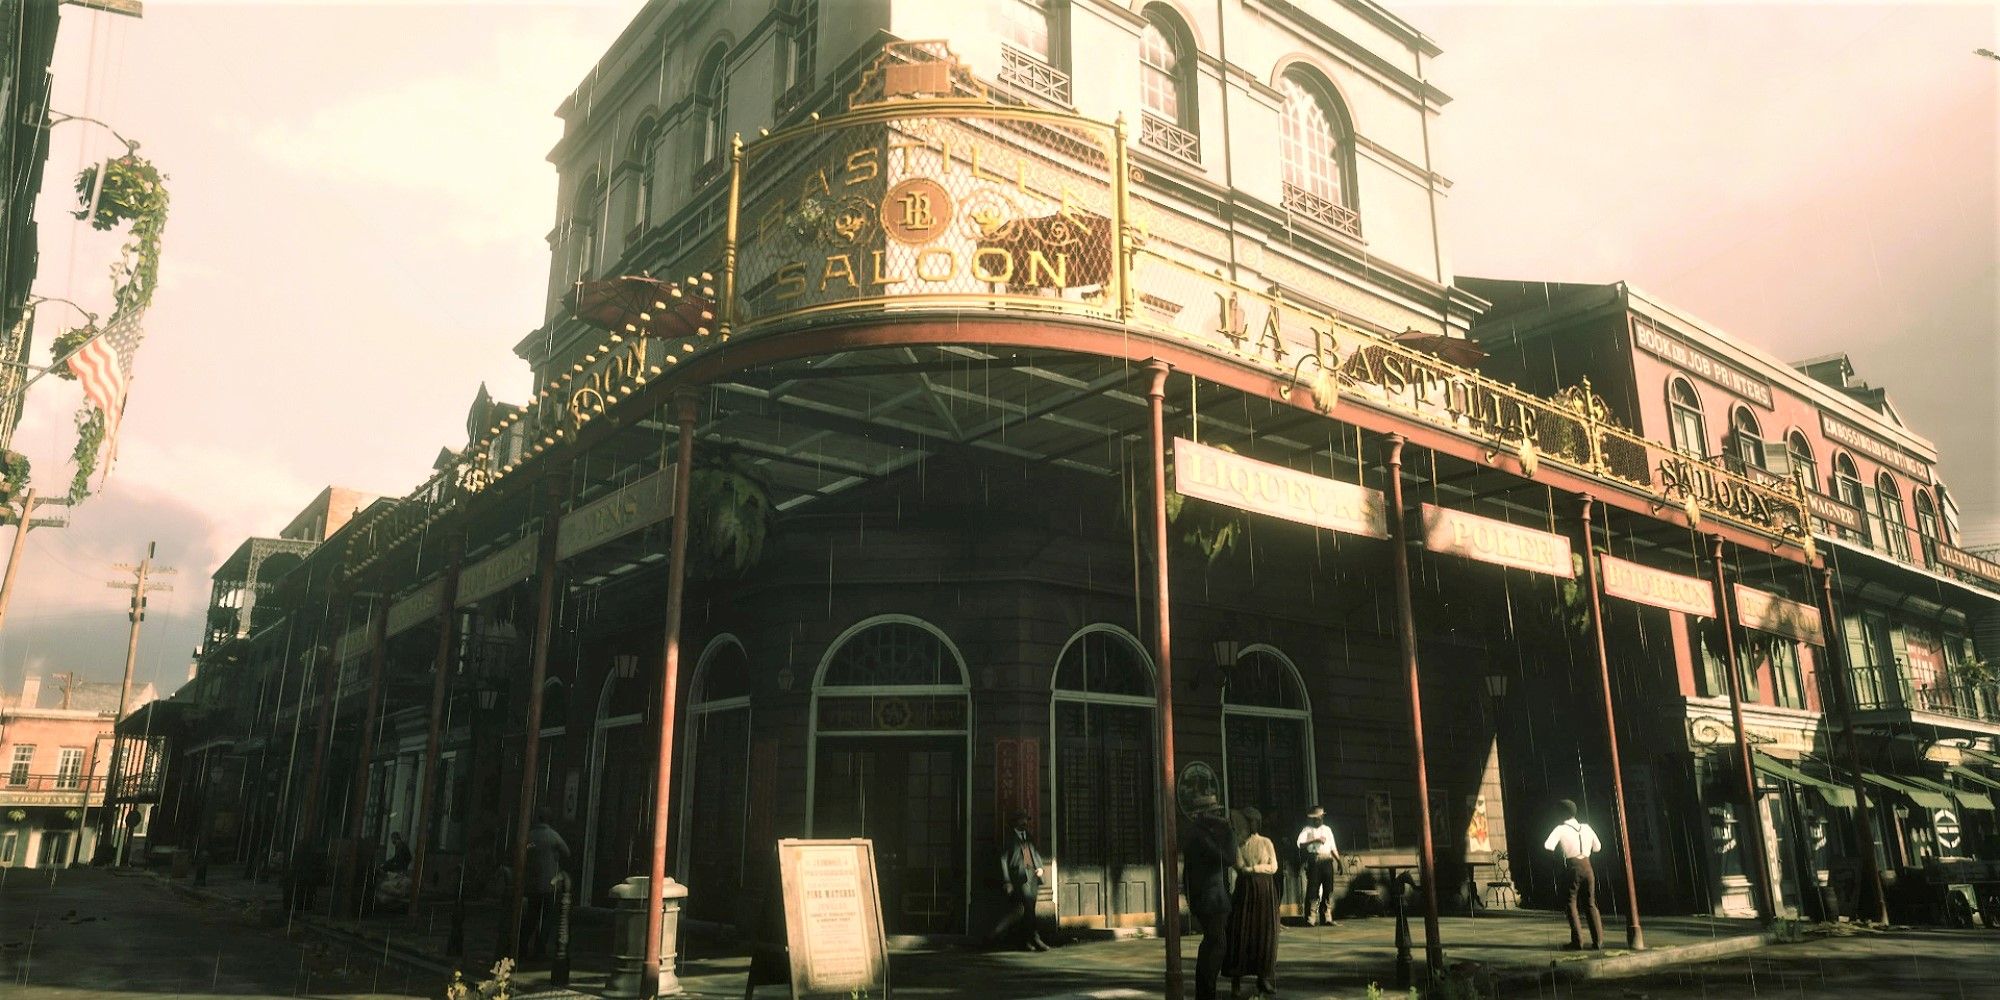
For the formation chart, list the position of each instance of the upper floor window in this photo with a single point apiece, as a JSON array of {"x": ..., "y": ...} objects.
[
  {"x": 1927, "y": 524},
  {"x": 1166, "y": 85},
  {"x": 69, "y": 768},
  {"x": 1746, "y": 439},
  {"x": 1847, "y": 483},
  {"x": 1034, "y": 52},
  {"x": 1316, "y": 152},
  {"x": 1690, "y": 434},
  {"x": 801, "y": 47},
  {"x": 1030, "y": 27},
  {"x": 1889, "y": 506},
  {"x": 18, "y": 768},
  {"x": 1801, "y": 454},
  {"x": 583, "y": 218},
  {"x": 711, "y": 98},
  {"x": 645, "y": 149}
]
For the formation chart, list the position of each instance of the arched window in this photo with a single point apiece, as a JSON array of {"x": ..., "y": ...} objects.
[
  {"x": 645, "y": 147},
  {"x": 1847, "y": 488},
  {"x": 585, "y": 212},
  {"x": 1801, "y": 453},
  {"x": 1267, "y": 758},
  {"x": 711, "y": 97},
  {"x": 1927, "y": 524},
  {"x": 1889, "y": 507},
  {"x": 555, "y": 707},
  {"x": 1166, "y": 68},
  {"x": 717, "y": 760},
  {"x": 1690, "y": 434},
  {"x": 1034, "y": 49},
  {"x": 1746, "y": 439},
  {"x": 1316, "y": 152},
  {"x": 890, "y": 747},
  {"x": 1102, "y": 739},
  {"x": 801, "y": 51}
]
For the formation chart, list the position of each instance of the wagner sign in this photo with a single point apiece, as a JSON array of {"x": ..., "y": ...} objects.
[
  {"x": 1656, "y": 587},
  {"x": 1262, "y": 488},
  {"x": 1454, "y": 532},
  {"x": 1835, "y": 512}
]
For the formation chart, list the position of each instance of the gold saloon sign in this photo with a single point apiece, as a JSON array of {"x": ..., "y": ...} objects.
[
  {"x": 1457, "y": 533},
  {"x": 1262, "y": 488}
]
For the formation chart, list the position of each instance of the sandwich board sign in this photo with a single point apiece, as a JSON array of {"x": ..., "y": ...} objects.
[{"x": 833, "y": 919}]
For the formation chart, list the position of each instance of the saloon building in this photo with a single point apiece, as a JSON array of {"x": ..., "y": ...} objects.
[{"x": 917, "y": 362}]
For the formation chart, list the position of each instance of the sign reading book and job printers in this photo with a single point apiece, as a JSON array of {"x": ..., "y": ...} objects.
[{"x": 1232, "y": 480}]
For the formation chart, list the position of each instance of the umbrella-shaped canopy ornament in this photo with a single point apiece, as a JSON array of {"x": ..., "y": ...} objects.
[{"x": 635, "y": 302}]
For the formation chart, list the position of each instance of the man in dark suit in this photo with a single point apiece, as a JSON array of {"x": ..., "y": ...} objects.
[
  {"x": 1021, "y": 874},
  {"x": 1208, "y": 852}
]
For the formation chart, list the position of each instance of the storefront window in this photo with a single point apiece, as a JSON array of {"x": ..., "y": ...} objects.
[{"x": 1786, "y": 682}]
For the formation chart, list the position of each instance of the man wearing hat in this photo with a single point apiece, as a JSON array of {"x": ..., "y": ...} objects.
[
  {"x": 1574, "y": 841},
  {"x": 1322, "y": 856},
  {"x": 1208, "y": 851},
  {"x": 1021, "y": 873}
]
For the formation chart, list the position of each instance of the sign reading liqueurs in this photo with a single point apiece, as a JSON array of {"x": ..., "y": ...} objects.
[
  {"x": 1262, "y": 488},
  {"x": 1778, "y": 616},
  {"x": 1457, "y": 533},
  {"x": 496, "y": 572},
  {"x": 1657, "y": 587}
]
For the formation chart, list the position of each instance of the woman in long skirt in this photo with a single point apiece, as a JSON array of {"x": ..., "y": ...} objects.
[{"x": 1253, "y": 913}]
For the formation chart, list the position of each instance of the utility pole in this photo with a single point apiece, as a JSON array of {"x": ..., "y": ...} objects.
[
  {"x": 140, "y": 586},
  {"x": 22, "y": 522}
]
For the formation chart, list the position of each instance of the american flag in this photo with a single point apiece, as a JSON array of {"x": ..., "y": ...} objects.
[{"x": 104, "y": 367}]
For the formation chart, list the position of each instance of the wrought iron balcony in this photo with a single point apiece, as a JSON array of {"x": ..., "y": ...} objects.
[
  {"x": 39, "y": 786},
  {"x": 1158, "y": 133},
  {"x": 1027, "y": 73},
  {"x": 1322, "y": 210},
  {"x": 1874, "y": 691}
]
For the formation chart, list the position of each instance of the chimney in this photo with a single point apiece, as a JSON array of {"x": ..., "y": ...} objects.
[{"x": 31, "y": 691}]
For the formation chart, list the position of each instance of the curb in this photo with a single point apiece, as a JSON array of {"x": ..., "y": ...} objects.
[{"x": 1635, "y": 963}]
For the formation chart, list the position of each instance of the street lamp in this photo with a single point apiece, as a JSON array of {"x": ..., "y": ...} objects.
[{"x": 1496, "y": 686}]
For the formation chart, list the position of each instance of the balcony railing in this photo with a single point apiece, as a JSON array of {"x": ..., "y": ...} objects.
[
  {"x": 1322, "y": 210},
  {"x": 1025, "y": 72},
  {"x": 1158, "y": 133},
  {"x": 1874, "y": 690},
  {"x": 16, "y": 781}
]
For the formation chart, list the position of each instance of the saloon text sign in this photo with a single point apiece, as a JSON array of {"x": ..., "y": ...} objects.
[
  {"x": 1262, "y": 488},
  {"x": 1657, "y": 587},
  {"x": 1779, "y": 616},
  {"x": 833, "y": 919},
  {"x": 1454, "y": 532}
]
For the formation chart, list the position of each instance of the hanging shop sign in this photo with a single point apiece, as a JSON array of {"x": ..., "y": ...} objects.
[
  {"x": 1835, "y": 512},
  {"x": 1843, "y": 433},
  {"x": 833, "y": 919},
  {"x": 624, "y": 510},
  {"x": 1656, "y": 587},
  {"x": 1966, "y": 562},
  {"x": 351, "y": 644},
  {"x": 1262, "y": 488},
  {"x": 498, "y": 571},
  {"x": 1457, "y": 533},
  {"x": 1699, "y": 363},
  {"x": 420, "y": 606},
  {"x": 1778, "y": 615},
  {"x": 1945, "y": 822}
]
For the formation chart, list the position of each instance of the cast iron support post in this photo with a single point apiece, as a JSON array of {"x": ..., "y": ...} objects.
[
  {"x": 329, "y": 687},
  {"x": 553, "y": 489},
  {"x": 1635, "y": 936},
  {"x": 1406, "y": 634},
  {"x": 427, "y": 779},
  {"x": 1760, "y": 885},
  {"x": 357, "y": 803},
  {"x": 1163, "y": 656},
  {"x": 1873, "y": 901},
  {"x": 656, "y": 885}
]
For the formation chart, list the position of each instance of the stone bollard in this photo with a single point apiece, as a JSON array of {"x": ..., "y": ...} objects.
[{"x": 628, "y": 938}]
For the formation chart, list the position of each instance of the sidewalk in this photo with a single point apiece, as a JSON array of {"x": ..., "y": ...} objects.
[{"x": 1508, "y": 953}]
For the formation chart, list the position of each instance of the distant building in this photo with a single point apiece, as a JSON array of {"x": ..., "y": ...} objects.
[
  {"x": 27, "y": 43},
  {"x": 55, "y": 744}
]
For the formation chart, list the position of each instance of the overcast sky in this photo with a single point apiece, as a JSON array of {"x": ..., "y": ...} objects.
[{"x": 361, "y": 197}]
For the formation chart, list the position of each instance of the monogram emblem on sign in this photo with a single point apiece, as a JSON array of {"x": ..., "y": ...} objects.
[{"x": 916, "y": 211}]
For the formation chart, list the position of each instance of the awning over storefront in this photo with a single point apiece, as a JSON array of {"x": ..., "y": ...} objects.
[
  {"x": 1836, "y": 796},
  {"x": 1968, "y": 774},
  {"x": 1922, "y": 796},
  {"x": 1966, "y": 799},
  {"x": 1981, "y": 755}
]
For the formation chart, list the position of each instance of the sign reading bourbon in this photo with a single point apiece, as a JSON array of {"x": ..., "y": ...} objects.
[{"x": 1656, "y": 587}]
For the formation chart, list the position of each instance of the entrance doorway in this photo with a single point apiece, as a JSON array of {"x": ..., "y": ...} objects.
[
  {"x": 715, "y": 797},
  {"x": 1267, "y": 750},
  {"x": 891, "y": 750},
  {"x": 1106, "y": 859}
]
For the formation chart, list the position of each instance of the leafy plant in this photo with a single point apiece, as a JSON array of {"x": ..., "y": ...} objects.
[
  {"x": 14, "y": 472},
  {"x": 89, "y": 438},
  {"x": 1975, "y": 672},
  {"x": 500, "y": 987},
  {"x": 729, "y": 517},
  {"x": 1209, "y": 529}
]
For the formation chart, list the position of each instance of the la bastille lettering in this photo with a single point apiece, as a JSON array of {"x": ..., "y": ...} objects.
[
  {"x": 1658, "y": 588},
  {"x": 1262, "y": 488}
]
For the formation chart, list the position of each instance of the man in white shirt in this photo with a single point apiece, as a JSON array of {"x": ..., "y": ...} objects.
[
  {"x": 1575, "y": 842},
  {"x": 1316, "y": 843}
]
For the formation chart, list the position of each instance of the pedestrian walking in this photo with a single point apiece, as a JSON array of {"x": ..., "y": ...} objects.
[
  {"x": 1574, "y": 841},
  {"x": 1322, "y": 860},
  {"x": 547, "y": 853},
  {"x": 1021, "y": 877},
  {"x": 1208, "y": 852},
  {"x": 399, "y": 855},
  {"x": 1253, "y": 911}
]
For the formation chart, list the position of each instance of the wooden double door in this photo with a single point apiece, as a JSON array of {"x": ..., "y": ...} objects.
[
  {"x": 1106, "y": 854},
  {"x": 908, "y": 795}
]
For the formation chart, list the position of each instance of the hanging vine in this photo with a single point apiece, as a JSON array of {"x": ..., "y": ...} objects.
[{"x": 133, "y": 191}]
